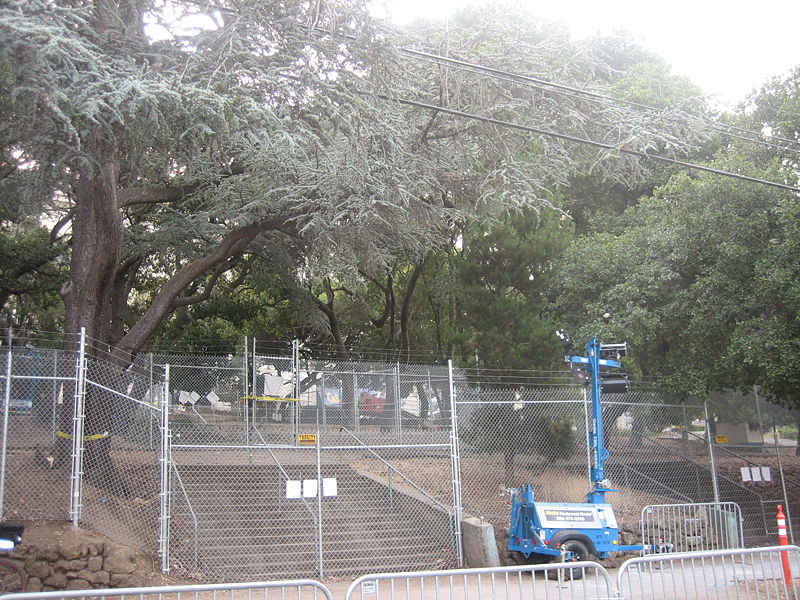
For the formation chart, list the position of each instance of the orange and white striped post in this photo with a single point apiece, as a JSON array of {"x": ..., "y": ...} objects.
[{"x": 783, "y": 540}]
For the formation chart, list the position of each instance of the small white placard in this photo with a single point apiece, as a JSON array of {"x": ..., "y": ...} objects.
[
  {"x": 368, "y": 587},
  {"x": 329, "y": 486},
  {"x": 293, "y": 489},
  {"x": 309, "y": 488},
  {"x": 193, "y": 397},
  {"x": 213, "y": 398},
  {"x": 745, "y": 474},
  {"x": 766, "y": 474},
  {"x": 755, "y": 473}
]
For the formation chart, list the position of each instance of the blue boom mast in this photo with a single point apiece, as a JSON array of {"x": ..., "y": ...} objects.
[{"x": 597, "y": 356}]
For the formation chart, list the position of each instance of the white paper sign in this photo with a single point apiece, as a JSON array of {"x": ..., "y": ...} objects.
[
  {"x": 756, "y": 474},
  {"x": 309, "y": 488},
  {"x": 329, "y": 486},
  {"x": 293, "y": 489}
]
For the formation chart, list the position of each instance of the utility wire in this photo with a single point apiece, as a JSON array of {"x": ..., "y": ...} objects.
[
  {"x": 573, "y": 92},
  {"x": 588, "y": 142}
]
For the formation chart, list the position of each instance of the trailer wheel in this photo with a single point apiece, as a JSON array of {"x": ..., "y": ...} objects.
[{"x": 580, "y": 551}]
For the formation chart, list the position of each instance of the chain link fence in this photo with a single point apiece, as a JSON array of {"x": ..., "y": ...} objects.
[
  {"x": 342, "y": 466},
  {"x": 224, "y": 466},
  {"x": 36, "y": 385}
]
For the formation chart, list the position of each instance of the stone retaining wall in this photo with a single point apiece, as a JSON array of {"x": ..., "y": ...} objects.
[{"x": 59, "y": 557}]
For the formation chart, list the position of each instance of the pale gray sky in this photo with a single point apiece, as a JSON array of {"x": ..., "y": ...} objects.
[{"x": 726, "y": 47}]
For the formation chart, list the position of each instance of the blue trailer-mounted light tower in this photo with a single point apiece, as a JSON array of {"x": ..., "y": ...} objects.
[{"x": 575, "y": 531}]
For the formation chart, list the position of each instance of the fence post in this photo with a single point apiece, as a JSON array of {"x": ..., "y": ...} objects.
[
  {"x": 248, "y": 389},
  {"x": 166, "y": 484},
  {"x": 78, "y": 414},
  {"x": 296, "y": 388},
  {"x": 398, "y": 409},
  {"x": 760, "y": 420},
  {"x": 455, "y": 459},
  {"x": 783, "y": 479},
  {"x": 711, "y": 454},
  {"x": 319, "y": 509},
  {"x": 356, "y": 419},
  {"x": 6, "y": 407},
  {"x": 245, "y": 370}
]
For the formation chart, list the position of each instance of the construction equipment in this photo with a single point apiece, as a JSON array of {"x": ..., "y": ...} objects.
[{"x": 576, "y": 531}]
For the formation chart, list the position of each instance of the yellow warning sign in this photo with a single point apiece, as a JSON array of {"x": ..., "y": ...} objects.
[
  {"x": 721, "y": 439},
  {"x": 309, "y": 439}
]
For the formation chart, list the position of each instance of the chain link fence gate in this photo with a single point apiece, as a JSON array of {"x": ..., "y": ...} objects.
[{"x": 343, "y": 467}]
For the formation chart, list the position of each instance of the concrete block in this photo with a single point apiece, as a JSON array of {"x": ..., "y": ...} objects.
[{"x": 480, "y": 546}]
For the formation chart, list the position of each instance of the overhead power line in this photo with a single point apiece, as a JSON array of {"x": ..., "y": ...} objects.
[
  {"x": 571, "y": 91},
  {"x": 588, "y": 142}
]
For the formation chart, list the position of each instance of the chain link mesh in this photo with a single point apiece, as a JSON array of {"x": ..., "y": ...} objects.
[
  {"x": 37, "y": 485},
  {"x": 120, "y": 490},
  {"x": 251, "y": 437}
]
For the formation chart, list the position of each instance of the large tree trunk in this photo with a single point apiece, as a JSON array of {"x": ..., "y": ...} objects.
[
  {"x": 97, "y": 237},
  {"x": 407, "y": 308}
]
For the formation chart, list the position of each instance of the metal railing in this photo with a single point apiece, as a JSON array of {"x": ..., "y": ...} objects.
[
  {"x": 392, "y": 469},
  {"x": 298, "y": 589},
  {"x": 751, "y": 573},
  {"x": 744, "y": 573},
  {"x": 315, "y": 516},
  {"x": 691, "y": 527},
  {"x": 585, "y": 580}
]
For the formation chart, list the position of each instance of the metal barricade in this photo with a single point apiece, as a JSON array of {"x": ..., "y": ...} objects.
[
  {"x": 297, "y": 589},
  {"x": 748, "y": 573},
  {"x": 691, "y": 527},
  {"x": 576, "y": 580}
]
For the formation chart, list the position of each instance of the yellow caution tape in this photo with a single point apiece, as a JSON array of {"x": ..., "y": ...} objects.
[
  {"x": 269, "y": 399},
  {"x": 86, "y": 438}
]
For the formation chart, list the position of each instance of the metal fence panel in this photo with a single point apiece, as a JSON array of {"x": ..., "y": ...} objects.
[
  {"x": 591, "y": 581},
  {"x": 336, "y": 511},
  {"x": 691, "y": 527},
  {"x": 510, "y": 437},
  {"x": 36, "y": 384},
  {"x": 300, "y": 589},
  {"x": 755, "y": 573},
  {"x": 208, "y": 399},
  {"x": 121, "y": 488}
]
